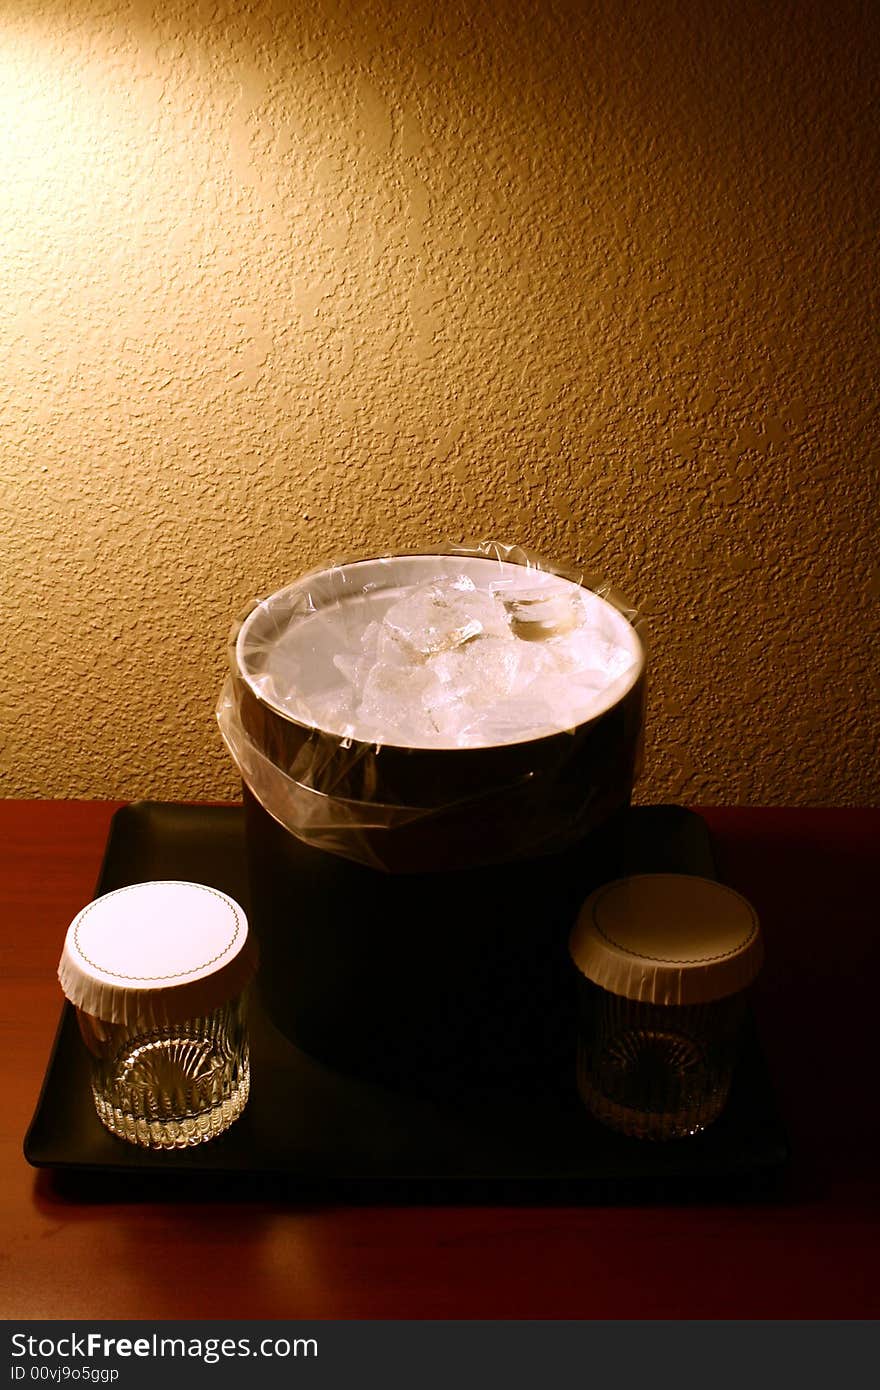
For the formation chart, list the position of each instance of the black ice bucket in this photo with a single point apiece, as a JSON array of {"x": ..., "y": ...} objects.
[{"x": 413, "y": 904}]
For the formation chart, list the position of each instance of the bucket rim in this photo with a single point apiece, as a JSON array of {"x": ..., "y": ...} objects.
[{"x": 622, "y": 686}]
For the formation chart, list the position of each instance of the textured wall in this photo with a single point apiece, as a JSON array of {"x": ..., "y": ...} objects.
[{"x": 287, "y": 280}]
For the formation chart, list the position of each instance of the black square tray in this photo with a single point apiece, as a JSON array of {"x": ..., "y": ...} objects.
[{"x": 314, "y": 1132}]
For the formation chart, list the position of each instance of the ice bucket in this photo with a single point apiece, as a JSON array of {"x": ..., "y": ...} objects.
[{"x": 413, "y": 903}]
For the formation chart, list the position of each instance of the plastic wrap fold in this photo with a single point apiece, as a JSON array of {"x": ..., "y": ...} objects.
[{"x": 299, "y": 711}]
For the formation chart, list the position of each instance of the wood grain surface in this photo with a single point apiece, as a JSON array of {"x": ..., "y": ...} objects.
[{"x": 809, "y": 1254}]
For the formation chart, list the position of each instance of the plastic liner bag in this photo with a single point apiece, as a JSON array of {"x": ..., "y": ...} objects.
[{"x": 462, "y": 706}]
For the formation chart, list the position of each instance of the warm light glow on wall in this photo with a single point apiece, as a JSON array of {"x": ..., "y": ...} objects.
[{"x": 289, "y": 281}]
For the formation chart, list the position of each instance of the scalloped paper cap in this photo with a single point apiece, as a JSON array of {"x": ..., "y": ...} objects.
[
  {"x": 157, "y": 953},
  {"x": 667, "y": 939}
]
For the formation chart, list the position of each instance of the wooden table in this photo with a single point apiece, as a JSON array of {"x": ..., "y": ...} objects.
[{"x": 813, "y": 875}]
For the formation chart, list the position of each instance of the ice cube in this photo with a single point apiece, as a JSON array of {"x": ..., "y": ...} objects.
[
  {"x": 396, "y": 703},
  {"x": 441, "y": 616},
  {"x": 355, "y": 669},
  {"x": 330, "y": 709},
  {"x": 508, "y": 721},
  {"x": 538, "y": 614},
  {"x": 480, "y": 672}
]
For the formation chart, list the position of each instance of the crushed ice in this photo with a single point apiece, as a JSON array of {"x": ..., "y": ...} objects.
[{"x": 451, "y": 665}]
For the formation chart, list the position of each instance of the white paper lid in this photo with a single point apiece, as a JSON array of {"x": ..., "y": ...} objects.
[
  {"x": 667, "y": 939},
  {"x": 155, "y": 953}
]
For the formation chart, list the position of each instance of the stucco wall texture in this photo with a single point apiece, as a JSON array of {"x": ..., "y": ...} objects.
[{"x": 283, "y": 281}]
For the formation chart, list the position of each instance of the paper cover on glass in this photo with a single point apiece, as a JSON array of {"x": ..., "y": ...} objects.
[
  {"x": 668, "y": 939},
  {"x": 156, "y": 953}
]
